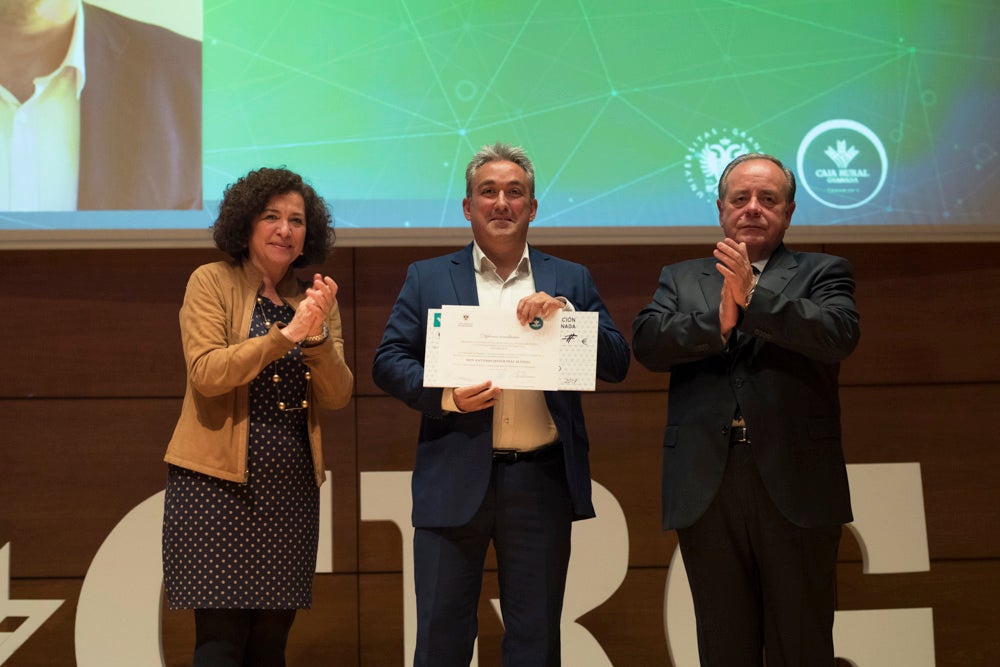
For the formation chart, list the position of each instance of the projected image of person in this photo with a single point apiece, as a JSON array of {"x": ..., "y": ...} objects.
[
  {"x": 265, "y": 355},
  {"x": 754, "y": 479},
  {"x": 507, "y": 466},
  {"x": 97, "y": 111}
]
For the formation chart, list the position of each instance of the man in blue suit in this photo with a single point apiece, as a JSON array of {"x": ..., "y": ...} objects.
[
  {"x": 503, "y": 465},
  {"x": 754, "y": 479}
]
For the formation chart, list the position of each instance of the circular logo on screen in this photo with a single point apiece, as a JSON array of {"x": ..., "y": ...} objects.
[
  {"x": 708, "y": 155},
  {"x": 842, "y": 164}
]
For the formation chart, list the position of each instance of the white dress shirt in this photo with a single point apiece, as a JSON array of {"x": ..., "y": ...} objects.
[
  {"x": 521, "y": 419},
  {"x": 40, "y": 139}
]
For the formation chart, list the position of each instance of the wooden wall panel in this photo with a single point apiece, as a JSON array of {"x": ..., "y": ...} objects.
[
  {"x": 326, "y": 634},
  {"x": 963, "y": 597},
  {"x": 387, "y": 440},
  {"x": 959, "y": 462},
  {"x": 377, "y": 281},
  {"x": 72, "y": 469},
  {"x": 340, "y": 457},
  {"x": 629, "y": 626},
  {"x": 941, "y": 427},
  {"x": 359, "y": 620},
  {"x": 86, "y": 410},
  {"x": 381, "y": 619},
  {"x": 103, "y": 323},
  {"x": 927, "y": 313}
]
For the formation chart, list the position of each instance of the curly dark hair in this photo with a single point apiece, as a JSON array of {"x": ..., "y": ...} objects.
[{"x": 245, "y": 199}]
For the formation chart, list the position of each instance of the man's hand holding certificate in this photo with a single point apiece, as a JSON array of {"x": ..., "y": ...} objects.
[{"x": 467, "y": 345}]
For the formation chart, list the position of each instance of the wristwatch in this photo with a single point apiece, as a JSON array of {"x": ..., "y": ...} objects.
[{"x": 310, "y": 341}]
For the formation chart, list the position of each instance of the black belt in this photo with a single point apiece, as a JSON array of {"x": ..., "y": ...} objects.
[
  {"x": 738, "y": 435},
  {"x": 515, "y": 455}
]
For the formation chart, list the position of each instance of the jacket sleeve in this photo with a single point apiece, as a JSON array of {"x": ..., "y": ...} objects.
[
  {"x": 398, "y": 368},
  {"x": 218, "y": 358},
  {"x": 822, "y": 324},
  {"x": 332, "y": 380},
  {"x": 613, "y": 355},
  {"x": 671, "y": 329}
]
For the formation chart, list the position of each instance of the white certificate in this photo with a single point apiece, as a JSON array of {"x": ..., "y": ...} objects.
[{"x": 471, "y": 344}]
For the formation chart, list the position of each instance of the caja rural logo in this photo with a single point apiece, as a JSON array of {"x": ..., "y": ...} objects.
[{"x": 842, "y": 164}]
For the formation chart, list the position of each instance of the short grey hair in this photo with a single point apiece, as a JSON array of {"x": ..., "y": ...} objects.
[
  {"x": 789, "y": 176},
  {"x": 500, "y": 152}
]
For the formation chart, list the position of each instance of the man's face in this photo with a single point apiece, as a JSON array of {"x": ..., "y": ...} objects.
[
  {"x": 500, "y": 206},
  {"x": 755, "y": 210},
  {"x": 15, "y": 12}
]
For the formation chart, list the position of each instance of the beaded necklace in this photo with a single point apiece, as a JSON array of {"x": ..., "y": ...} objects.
[{"x": 275, "y": 378}]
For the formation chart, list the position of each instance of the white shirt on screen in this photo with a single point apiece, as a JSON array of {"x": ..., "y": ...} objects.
[{"x": 40, "y": 139}]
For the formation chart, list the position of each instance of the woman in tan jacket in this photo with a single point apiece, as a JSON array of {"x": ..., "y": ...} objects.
[{"x": 264, "y": 351}]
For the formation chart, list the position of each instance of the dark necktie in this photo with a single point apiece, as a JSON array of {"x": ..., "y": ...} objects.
[{"x": 740, "y": 338}]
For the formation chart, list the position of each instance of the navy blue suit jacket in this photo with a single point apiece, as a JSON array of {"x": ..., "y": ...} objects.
[
  {"x": 454, "y": 450},
  {"x": 782, "y": 370},
  {"x": 140, "y": 116}
]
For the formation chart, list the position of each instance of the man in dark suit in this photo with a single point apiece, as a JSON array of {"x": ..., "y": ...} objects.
[
  {"x": 509, "y": 466},
  {"x": 754, "y": 479},
  {"x": 128, "y": 113}
]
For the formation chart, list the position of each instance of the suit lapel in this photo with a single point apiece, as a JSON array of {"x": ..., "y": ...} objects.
[
  {"x": 779, "y": 270},
  {"x": 777, "y": 274},
  {"x": 542, "y": 272},
  {"x": 463, "y": 277},
  {"x": 711, "y": 285}
]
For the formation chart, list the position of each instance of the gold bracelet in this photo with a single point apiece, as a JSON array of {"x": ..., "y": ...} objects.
[{"x": 310, "y": 341}]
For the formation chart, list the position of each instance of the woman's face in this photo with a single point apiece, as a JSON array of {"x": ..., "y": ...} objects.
[{"x": 278, "y": 234}]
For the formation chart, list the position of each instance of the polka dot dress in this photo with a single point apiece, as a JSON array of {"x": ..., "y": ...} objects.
[{"x": 250, "y": 546}]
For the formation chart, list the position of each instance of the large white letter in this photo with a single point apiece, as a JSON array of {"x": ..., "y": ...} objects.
[
  {"x": 597, "y": 567},
  {"x": 891, "y": 529},
  {"x": 598, "y": 563},
  {"x": 34, "y": 612},
  {"x": 385, "y": 496},
  {"x": 118, "y": 615}
]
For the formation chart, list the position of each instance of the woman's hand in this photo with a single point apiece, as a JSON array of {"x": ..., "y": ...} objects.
[{"x": 313, "y": 310}]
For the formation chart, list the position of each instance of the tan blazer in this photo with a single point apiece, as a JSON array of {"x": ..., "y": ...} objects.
[{"x": 212, "y": 432}]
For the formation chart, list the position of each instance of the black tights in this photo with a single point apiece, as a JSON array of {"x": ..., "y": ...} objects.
[{"x": 241, "y": 637}]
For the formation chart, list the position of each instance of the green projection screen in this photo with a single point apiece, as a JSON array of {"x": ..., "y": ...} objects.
[{"x": 885, "y": 110}]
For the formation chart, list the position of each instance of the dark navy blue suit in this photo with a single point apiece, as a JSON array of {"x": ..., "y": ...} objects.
[{"x": 455, "y": 477}]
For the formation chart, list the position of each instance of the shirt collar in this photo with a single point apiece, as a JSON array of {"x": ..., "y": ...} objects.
[
  {"x": 74, "y": 55},
  {"x": 481, "y": 261}
]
